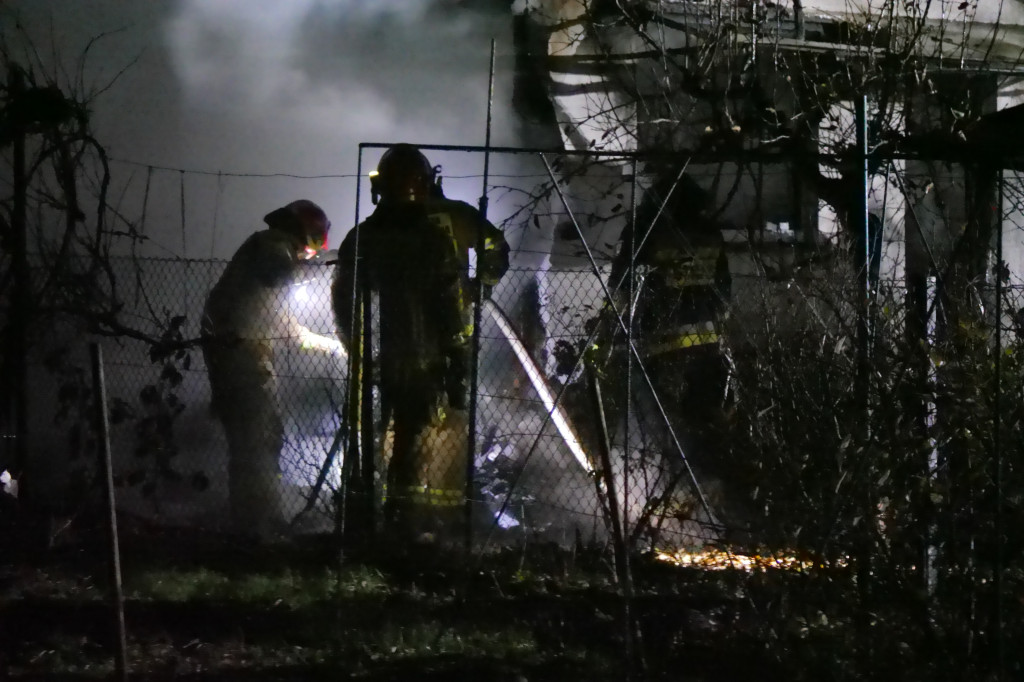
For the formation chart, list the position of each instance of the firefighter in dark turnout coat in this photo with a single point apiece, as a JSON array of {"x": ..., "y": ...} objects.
[
  {"x": 682, "y": 276},
  {"x": 413, "y": 251}
]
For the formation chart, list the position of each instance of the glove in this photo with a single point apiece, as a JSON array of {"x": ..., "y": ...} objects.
[
  {"x": 458, "y": 395},
  {"x": 455, "y": 380},
  {"x": 485, "y": 291},
  {"x": 309, "y": 340},
  {"x": 456, "y": 386}
]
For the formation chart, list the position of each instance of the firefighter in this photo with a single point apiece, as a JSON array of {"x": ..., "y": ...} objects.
[
  {"x": 404, "y": 175},
  {"x": 684, "y": 271},
  {"x": 683, "y": 282},
  {"x": 244, "y": 317},
  {"x": 413, "y": 251}
]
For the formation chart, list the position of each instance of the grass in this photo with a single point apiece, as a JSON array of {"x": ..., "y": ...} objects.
[
  {"x": 203, "y": 607},
  {"x": 287, "y": 614},
  {"x": 288, "y": 587}
]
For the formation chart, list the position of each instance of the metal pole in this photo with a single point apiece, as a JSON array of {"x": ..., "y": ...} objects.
[
  {"x": 350, "y": 477},
  {"x": 608, "y": 473},
  {"x": 478, "y": 297},
  {"x": 860, "y": 225},
  {"x": 368, "y": 452},
  {"x": 181, "y": 199},
  {"x": 107, "y": 468},
  {"x": 621, "y": 551},
  {"x": 997, "y": 444},
  {"x": 632, "y": 633},
  {"x": 631, "y": 279},
  {"x": 16, "y": 361}
]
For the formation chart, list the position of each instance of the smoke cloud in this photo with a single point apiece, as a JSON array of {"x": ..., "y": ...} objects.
[{"x": 268, "y": 87}]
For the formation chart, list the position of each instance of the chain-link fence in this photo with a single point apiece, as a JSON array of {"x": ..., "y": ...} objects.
[
  {"x": 803, "y": 388},
  {"x": 169, "y": 446},
  {"x": 536, "y": 469}
]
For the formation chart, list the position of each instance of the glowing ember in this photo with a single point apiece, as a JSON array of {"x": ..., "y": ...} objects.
[{"x": 718, "y": 560}]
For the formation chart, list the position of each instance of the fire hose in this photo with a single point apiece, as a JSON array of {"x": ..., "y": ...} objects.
[{"x": 540, "y": 384}]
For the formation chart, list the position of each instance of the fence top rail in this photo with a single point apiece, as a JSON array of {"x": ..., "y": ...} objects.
[{"x": 772, "y": 153}]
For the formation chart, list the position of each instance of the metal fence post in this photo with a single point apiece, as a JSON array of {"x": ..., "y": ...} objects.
[
  {"x": 997, "y": 444},
  {"x": 17, "y": 351},
  {"x": 860, "y": 225},
  {"x": 367, "y": 440},
  {"x": 478, "y": 301},
  {"x": 107, "y": 471},
  {"x": 348, "y": 508}
]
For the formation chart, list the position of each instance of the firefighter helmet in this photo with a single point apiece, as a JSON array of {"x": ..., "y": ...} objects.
[
  {"x": 304, "y": 220},
  {"x": 403, "y": 174}
]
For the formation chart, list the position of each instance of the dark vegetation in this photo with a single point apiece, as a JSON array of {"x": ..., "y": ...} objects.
[{"x": 211, "y": 607}]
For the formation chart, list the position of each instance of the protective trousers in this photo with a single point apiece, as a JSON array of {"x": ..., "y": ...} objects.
[
  {"x": 243, "y": 399},
  {"x": 426, "y": 473},
  {"x": 691, "y": 383}
]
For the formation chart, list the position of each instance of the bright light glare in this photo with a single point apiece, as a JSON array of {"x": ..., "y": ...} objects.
[
  {"x": 8, "y": 483},
  {"x": 506, "y": 520},
  {"x": 301, "y": 294}
]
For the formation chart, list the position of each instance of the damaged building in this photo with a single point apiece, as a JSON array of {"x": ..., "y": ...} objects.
[{"x": 809, "y": 142}]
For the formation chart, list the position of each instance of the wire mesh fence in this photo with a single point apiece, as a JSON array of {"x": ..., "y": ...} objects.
[
  {"x": 739, "y": 437},
  {"x": 169, "y": 445},
  {"x": 538, "y": 469},
  {"x": 533, "y": 473},
  {"x": 537, "y": 472},
  {"x": 911, "y": 486}
]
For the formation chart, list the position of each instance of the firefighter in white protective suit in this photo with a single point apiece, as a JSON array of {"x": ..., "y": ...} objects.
[
  {"x": 413, "y": 252},
  {"x": 245, "y": 318}
]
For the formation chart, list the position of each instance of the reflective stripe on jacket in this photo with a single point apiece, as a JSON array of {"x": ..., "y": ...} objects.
[
  {"x": 687, "y": 336},
  {"x": 429, "y": 497},
  {"x": 463, "y": 224}
]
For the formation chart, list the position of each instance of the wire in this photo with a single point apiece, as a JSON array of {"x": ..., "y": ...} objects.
[
  {"x": 229, "y": 174},
  {"x": 334, "y": 176},
  {"x": 184, "y": 244},
  {"x": 325, "y": 176}
]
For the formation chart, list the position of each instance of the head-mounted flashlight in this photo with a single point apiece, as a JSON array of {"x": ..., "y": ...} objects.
[{"x": 314, "y": 244}]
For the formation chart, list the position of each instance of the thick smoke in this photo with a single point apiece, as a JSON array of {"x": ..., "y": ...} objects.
[
  {"x": 265, "y": 87},
  {"x": 295, "y": 86}
]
